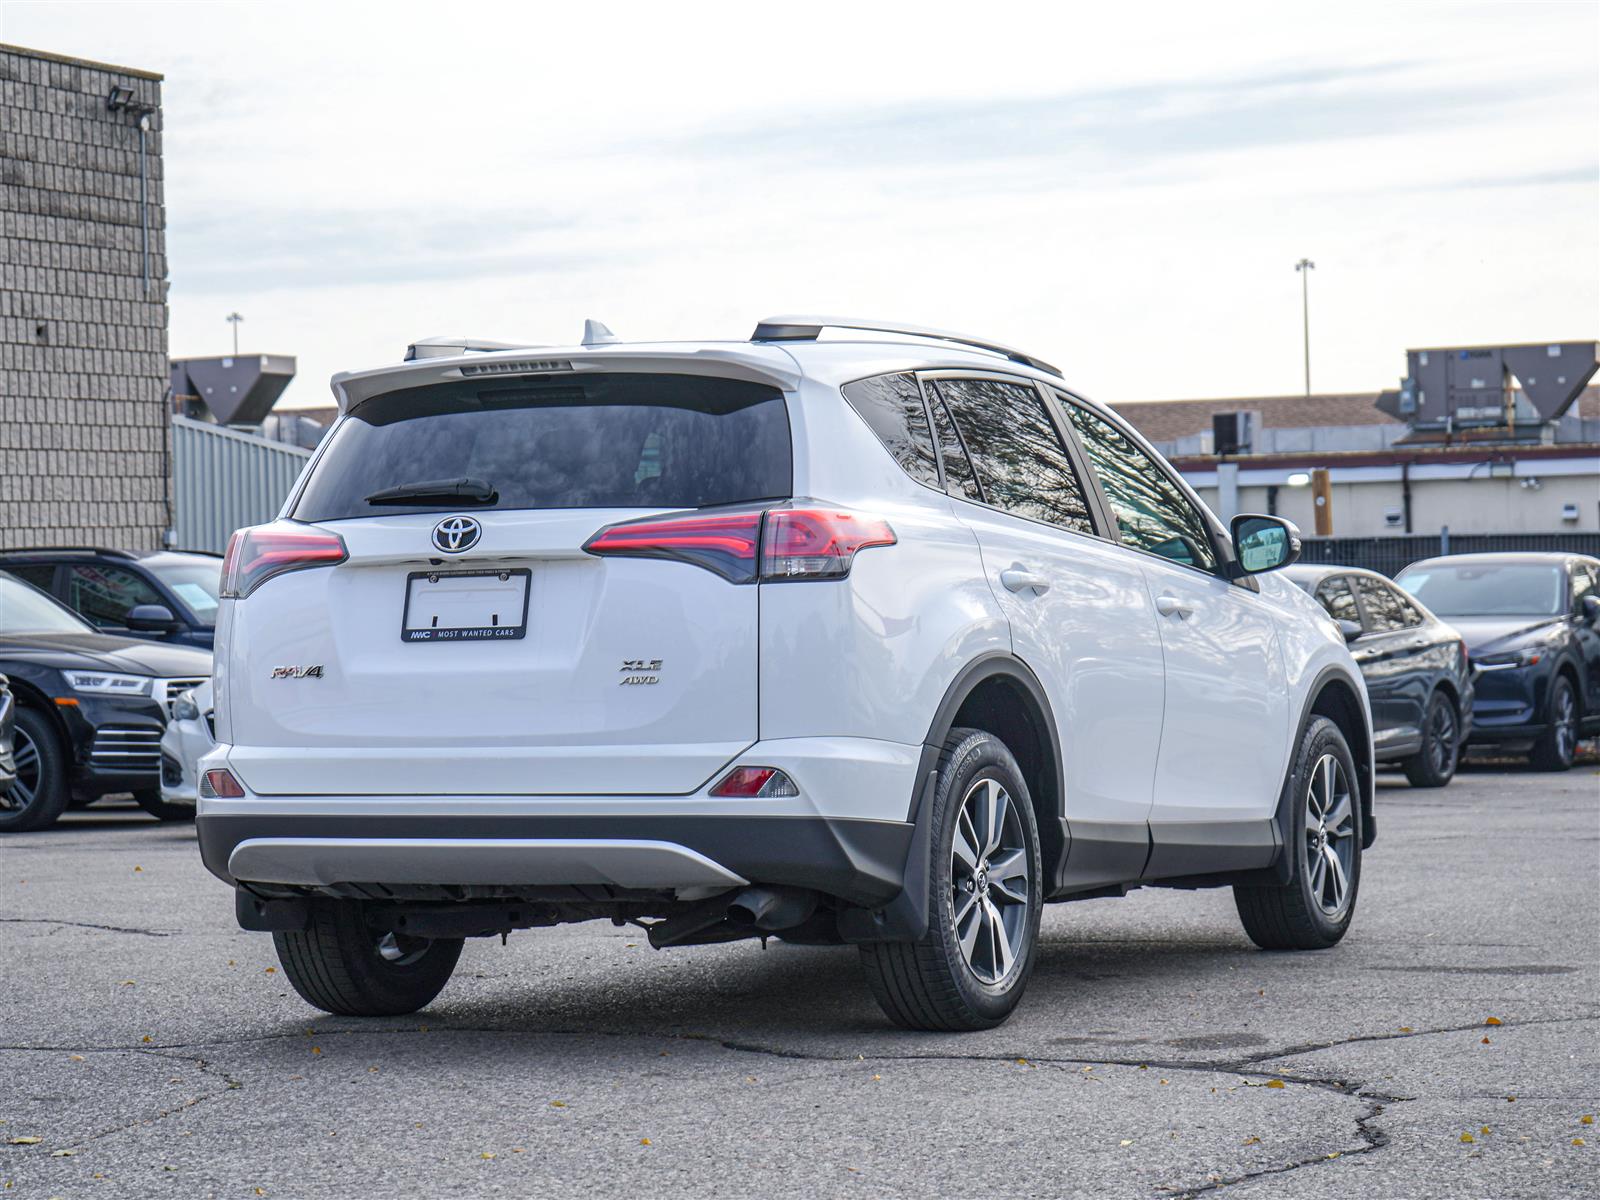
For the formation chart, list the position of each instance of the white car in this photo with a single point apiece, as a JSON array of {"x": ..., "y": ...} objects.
[
  {"x": 851, "y": 633},
  {"x": 188, "y": 737}
]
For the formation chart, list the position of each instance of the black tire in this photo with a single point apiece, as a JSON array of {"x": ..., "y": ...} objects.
[
  {"x": 1555, "y": 750},
  {"x": 1435, "y": 764},
  {"x": 934, "y": 983},
  {"x": 341, "y": 965},
  {"x": 39, "y": 794},
  {"x": 1297, "y": 916},
  {"x": 150, "y": 800}
]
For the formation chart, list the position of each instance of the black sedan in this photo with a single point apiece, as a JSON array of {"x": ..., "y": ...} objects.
[
  {"x": 1419, "y": 680},
  {"x": 90, "y": 709},
  {"x": 1532, "y": 623}
]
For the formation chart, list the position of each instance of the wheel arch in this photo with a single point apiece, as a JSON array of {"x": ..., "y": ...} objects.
[
  {"x": 28, "y": 695},
  {"x": 1334, "y": 696}
]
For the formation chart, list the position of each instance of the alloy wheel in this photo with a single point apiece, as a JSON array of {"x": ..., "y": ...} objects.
[
  {"x": 1566, "y": 723},
  {"x": 1442, "y": 739},
  {"x": 1329, "y": 835},
  {"x": 398, "y": 950},
  {"x": 26, "y": 785},
  {"x": 989, "y": 881}
]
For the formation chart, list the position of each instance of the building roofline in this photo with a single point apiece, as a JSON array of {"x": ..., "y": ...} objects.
[
  {"x": 70, "y": 60},
  {"x": 1414, "y": 455}
]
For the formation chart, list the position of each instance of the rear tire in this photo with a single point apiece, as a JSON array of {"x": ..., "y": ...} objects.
[
  {"x": 38, "y": 796},
  {"x": 1435, "y": 764},
  {"x": 341, "y": 965},
  {"x": 969, "y": 970},
  {"x": 1313, "y": 910},
  {"x": 1556, "y": 749},
  {"x": 150, "y": 800}
]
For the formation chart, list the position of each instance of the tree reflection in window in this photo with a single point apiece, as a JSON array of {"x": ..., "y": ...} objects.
[
  {"x": 1018, "y": 455},
  {"x": 1151, "y": 510}
]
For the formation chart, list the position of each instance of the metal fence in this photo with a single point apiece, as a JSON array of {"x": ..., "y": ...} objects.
[
  {"x": 1388, "y": 555},
  {"x": 223, "y": 479}
]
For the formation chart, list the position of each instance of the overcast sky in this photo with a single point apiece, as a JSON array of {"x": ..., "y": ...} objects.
[{"x": 1122, "y": 189}]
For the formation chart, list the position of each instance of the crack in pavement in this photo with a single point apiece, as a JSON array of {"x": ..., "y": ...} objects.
[{"x": 82, "y": 925}]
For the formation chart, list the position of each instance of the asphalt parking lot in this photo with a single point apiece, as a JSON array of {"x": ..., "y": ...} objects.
[{"x": 1450, "y": 1047}]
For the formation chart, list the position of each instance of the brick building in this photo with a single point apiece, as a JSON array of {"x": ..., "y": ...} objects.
[{"x": 85, "y": 440}]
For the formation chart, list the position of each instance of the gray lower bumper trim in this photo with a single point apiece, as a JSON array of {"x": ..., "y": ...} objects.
[{"x": 554, "y": 861}]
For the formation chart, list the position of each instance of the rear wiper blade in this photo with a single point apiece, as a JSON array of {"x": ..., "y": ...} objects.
[{"x": 466, "y": 491}]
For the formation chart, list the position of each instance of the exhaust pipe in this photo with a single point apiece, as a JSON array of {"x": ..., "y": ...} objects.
[{"x": 772, "y": 908}]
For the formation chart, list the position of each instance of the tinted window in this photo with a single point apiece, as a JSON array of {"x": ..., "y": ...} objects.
[
  {"x": 1468, "y": 589},
  {"x": 41, "y": 575},
  {"x": 1335, "y": 596},
  {"x": 105, "y": 594},
  {"x": 959, "y": 478},
  {"x": 892, "y": 405},
  {"x": 1387, "y": 609},
  {"x": 1152, "y": 512},
  {"x": 1018, "y": 455},
  {"x": 591, "y": 441},
  {"x": 25, "y": 610},
  {"x": 196, "y": 584}
]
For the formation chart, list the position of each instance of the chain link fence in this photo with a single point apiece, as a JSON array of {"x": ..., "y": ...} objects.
[{"x": 1389, "y": 555}]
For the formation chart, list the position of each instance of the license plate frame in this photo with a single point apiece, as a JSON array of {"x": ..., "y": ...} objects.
[{"x": 467, "y": 633}]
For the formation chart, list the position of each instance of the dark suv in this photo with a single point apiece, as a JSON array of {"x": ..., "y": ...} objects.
[
  {"x": 1532, "y": 623},
  {"x": 162, "y": 595}
]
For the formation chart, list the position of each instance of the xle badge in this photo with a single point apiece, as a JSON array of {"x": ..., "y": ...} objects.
[{"x": 640, "y": 671}]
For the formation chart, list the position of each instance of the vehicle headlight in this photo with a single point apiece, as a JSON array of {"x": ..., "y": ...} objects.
[
  {"x": 99, "y": 683},
  {"x": 184, "y": 708},
  {"x": 1526, "y": 657}
]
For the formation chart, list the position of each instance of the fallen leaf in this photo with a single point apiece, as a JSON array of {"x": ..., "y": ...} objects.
[
  {"x": 1484, "y": 1131},
  {"x": 138, "y": 868},
  {"x": 1586, "y": 1119},
  {"x": 1164, "y": 1082},
  {"x": 26, "y": 1141},
  {"x": 316, "y": 1049},
  {"x": 1406, "y": 1029},
  {"x": 230, "y": 963},
  {"x": 62, "y": 1153},
  {"x": 1511, "y": 1099},
  {"x": 271, "y": 971},
  {"x": 1252, "y": 1141},
  {"x": 1466, "y": 1137},
  {"x": 644, "y": 1141},
  {"x": 1333, "y": 1154},
  {"x": 146, "y": 1038},
  {"x": 485, "y": 1154},
  {"x": 1486, "y": 1041},
  {"x": 518, "y": 1150},
  {"x": 558, "y": 1104},
  {"x": 876, "y": 1078},
  {"x": 1125, "y": 1142},
  {"x": 1579, "y": 1142},
  {"x": 127, "y": 983},
  {"x": 1275, "y": 1083},
  {"x": 1492, "y": 1021},
  {"x": 74, "y": 1058}
]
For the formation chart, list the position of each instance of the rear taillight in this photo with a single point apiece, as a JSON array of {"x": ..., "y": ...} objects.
[
  {"x": 256, "y": 555},
  {"x": 788, "y": 543}
]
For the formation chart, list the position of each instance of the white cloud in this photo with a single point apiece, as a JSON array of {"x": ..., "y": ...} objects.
[{"x": 1123, "y": 191}]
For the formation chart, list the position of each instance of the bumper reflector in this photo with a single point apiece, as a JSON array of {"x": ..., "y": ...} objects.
[
  {"x": 762, "y": 783},
  {"x": 220, "y": 784}
]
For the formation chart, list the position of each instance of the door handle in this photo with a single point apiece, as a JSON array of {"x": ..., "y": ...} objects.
[
  {"x": 1172, "y": 606},
  {"x": 1019, "y": 578}
]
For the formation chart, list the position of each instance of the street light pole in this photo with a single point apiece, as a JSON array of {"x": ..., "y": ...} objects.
[
  {"x": 1305, "y": 266},
  {"x": 234, "y": 319}
]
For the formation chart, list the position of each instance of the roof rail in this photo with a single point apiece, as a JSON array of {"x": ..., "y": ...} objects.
[
  {"x": 806, "y": 329},
  {"x": 128, "y": 554},
  {"x": 449, "y": 347}
]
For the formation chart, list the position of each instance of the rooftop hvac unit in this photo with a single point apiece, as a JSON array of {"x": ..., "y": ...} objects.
[
  {"x": 1232, "y": 432},
  {"x": 238, "y": 389},
  {"x": 1472, "y": 386}
]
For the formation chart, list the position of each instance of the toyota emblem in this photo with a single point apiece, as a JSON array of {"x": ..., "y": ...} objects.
[{"x": 455, "y": 534}]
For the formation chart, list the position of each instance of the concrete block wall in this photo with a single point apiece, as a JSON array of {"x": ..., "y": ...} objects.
[{"x": 85, "y": 433}]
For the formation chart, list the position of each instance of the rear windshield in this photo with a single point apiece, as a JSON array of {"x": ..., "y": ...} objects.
[{"x": 591, "y": 441}]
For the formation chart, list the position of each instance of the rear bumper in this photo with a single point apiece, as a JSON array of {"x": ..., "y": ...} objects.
[{"x": 859, "y": 861}]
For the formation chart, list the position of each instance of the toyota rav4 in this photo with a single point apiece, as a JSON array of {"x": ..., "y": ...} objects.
[{"x": 849, "y": 634}]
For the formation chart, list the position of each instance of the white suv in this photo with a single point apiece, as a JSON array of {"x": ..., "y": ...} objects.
[{"x": 848, "y": 634}]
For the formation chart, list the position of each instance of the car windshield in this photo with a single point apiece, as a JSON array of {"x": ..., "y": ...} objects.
[
  {"x": 194, "y": 583},
  {"x": 595, "y": 441},
  {"x": 1487, "y": 589},
  {"x": 25, "y": 609}
]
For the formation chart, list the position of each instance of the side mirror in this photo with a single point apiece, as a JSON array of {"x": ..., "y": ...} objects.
[
  {"x": 1263, "y": 543},
  {"x": 1591, "y": 609},
  {"x": 151, "y": 618},
  {"x": 1350, "y": 629}
]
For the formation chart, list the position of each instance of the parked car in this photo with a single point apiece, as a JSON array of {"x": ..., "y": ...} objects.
[
  {"x": 881, "y": 642},
  {"x": 8, "y": 762},
  {"x": 1532, "y": 624},
  {"x": 1419, "y": 679},
  {"x": 161, "y": 595},
  {"x": 90, "y": 708},
  {"x": 190, "y": 736}
]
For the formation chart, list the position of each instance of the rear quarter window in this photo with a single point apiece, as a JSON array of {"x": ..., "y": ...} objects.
[
  {"x": 590, "y": 441},
  {"x": 892, "y": 406}
]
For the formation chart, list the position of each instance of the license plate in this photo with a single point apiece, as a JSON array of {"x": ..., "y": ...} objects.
[{"x": 463, "y": 606}]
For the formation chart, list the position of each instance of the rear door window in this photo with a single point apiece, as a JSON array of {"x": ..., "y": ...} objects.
[
  {"x": 1387, "y": 609},
  {"x": 1337, "y": 598},
  {"x": 583, "y": 441},
  {"x": 1019, "y": 456},
  {"x": 892, "y": 406}
]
